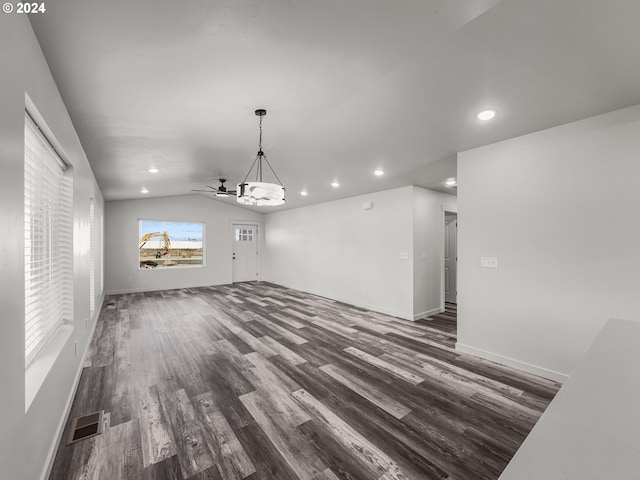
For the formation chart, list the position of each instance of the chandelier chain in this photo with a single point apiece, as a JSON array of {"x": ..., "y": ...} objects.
[{"x": 261, "y": 193}]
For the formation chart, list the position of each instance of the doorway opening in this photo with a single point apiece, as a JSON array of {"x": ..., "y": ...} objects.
[
  {"x": 450, "y": 260},
  {"x": 245, "y": 247}
]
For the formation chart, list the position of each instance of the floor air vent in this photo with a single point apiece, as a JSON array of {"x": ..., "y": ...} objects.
[{"x": 85, "y": 427}]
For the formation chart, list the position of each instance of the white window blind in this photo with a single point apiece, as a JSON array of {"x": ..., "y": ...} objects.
[
  {"x": 92, "y": 256},
  {"x": 101, "y": 237},
  {"x": 48, "y": 241}
]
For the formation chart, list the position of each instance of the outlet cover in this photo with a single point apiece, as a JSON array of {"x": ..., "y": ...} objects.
[{"x": 489, "y": 262}]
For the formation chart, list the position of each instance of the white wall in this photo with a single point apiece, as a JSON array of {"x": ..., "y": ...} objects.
[
  {"x": 338, "y": 250},
  {"x": 122, "y": 240},
  {"x": 428, "y": 249},
  {"x": 590, "y": 429},
  {"x": 27, "y": 439},
  {"x": 559, "y": 209}
]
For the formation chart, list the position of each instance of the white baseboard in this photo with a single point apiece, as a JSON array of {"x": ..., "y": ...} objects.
[
  {"x": 512, "y": 362},
  {"x": 155, "y": 289},
  {"x": 160, "y": 288},
  {"x": 373, "y": 308},
  {"x": 428, "y": 313},
  {"x": 48, "y": 465},
  {"x": 137, "y": 290}
]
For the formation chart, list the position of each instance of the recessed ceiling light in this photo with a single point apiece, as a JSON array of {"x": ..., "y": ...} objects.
[
  {"x": 153, "y": 170},
  {"x": 303, "y": 193},
  {"x": 144, "y": 190},
  {"x": 335, "y": 184},
  {"x": 379, "y": 173},
  {"x": 450, "y": 182},
  {"x": 486, "y": 115}
]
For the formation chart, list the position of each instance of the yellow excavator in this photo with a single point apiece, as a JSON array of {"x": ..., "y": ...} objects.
[
  {"x": 167, "y": 243},
  {"x": 167, "y": 246}
]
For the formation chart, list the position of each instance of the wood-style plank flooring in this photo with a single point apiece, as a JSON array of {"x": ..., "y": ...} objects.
[{"x": 256, "y": 381}]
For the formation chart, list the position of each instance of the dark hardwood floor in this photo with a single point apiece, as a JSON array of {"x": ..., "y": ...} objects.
[{"x": 257, "y": 381}]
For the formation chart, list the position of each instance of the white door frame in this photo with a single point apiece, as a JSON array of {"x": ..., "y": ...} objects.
[
  {"x": 443, "y": 213},
  {"x": 456, "y": 255},
  {"x": 259, "y": 243}
]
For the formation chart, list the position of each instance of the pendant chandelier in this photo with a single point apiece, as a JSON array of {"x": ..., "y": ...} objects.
[{"x": 259, "y": 193}]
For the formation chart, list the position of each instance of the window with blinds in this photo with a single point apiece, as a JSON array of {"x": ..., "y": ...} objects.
[
  {"x": 101, "y": 236},
  {"x": 92, "y": 256},
  {"x": 48, "y": 241}
]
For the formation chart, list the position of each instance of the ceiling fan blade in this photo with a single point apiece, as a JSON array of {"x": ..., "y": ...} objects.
[{"x": 221, "y": 191}]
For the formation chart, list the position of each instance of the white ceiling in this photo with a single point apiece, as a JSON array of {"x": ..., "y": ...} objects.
[{"x": 349, "y": 85}]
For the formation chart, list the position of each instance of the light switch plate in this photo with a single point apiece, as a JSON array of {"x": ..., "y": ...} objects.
[{"x": 489, "y": 262}]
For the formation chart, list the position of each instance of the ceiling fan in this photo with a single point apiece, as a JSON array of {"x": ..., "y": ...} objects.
[{"x": 221, "y": 191}]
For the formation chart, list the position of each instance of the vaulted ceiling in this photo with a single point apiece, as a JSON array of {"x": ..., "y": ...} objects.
[{"x": 349, "y": 85}]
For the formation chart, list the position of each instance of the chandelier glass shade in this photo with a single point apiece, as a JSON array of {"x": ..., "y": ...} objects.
[{"x": 259, "y": 193}]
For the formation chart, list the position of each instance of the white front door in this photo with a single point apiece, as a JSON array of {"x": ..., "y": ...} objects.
[
  {"x": 245, "y": 252},
  {"x": 450, "y": 257}
]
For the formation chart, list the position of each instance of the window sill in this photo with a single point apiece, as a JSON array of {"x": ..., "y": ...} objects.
[{"x": 37, "y": 372}]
